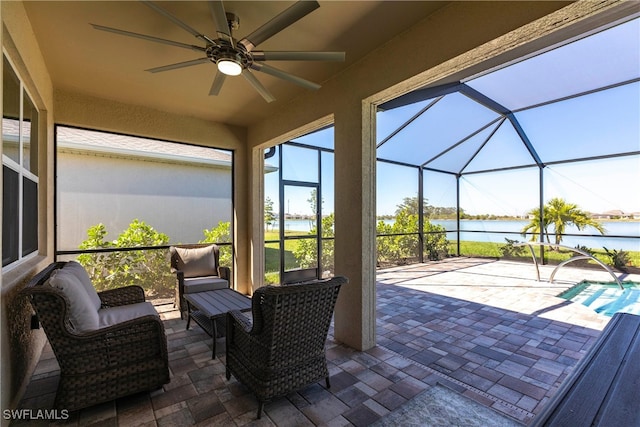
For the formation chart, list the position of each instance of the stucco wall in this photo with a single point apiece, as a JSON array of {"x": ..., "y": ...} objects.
[
  {"x": 179, "y": 200},
  {"x": 19, "y": 346}
]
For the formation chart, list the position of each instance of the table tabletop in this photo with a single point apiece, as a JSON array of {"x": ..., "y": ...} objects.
[{"x": 217, "y": 303}]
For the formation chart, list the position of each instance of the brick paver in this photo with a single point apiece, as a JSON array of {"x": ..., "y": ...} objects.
[{"x": 485, "y": 329}]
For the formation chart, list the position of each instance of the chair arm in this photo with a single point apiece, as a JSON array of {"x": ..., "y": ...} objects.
[
  {"x": 242, "y": 338},
  {"x": 243, "y": 322},
  {"x": 180, "y": 280},
  {"x": 122, "y": 296},
  {"x": 225, "y": 273},
  {"x": 133, "y": 341}
]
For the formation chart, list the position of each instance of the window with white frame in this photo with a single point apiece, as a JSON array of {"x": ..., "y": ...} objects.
[{"x": 19, "y": 169}]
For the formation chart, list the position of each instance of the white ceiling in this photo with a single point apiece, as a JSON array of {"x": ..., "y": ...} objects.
[{"x": 83, "y": 60}]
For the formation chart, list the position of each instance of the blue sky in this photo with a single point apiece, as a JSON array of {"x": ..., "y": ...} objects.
[{"x": 599, "y": 123}]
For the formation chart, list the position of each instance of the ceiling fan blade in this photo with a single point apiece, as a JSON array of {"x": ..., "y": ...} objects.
[
  {"x": 220, "y": 20},
  {"x": 178, "y": 65},
  {"x": 175, "y": 20},
  {"x": 285, "y": 76},
  {"x": 257, "y": 85},
  {"x": 217, "y": 84},
  {"x": 297, "y": 56},
  {"x": 149, "y": 38},
  {"x": 299, "y": 10}
]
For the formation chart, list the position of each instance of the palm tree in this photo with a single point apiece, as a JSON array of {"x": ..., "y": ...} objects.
[
  {"x": 560, "y": 214},
  {"x": 534, "y": 225}
]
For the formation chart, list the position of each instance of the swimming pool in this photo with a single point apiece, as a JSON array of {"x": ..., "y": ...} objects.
[{"x": 606, "y": 297}]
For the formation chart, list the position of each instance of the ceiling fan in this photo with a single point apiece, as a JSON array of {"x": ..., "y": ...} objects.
[{"x": 238, "y": 57}]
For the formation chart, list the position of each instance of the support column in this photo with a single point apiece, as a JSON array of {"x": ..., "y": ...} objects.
[
  {"x": 256, "y": 244},
  {"x": 355, "y": 225}
]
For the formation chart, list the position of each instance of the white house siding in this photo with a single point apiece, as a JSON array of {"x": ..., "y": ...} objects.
[{"x": 178, "y": 199}]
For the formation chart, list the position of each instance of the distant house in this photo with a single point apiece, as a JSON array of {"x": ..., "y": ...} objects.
[
  {"x": 618, "y": 214},
  {"x": 178, "y": 189},
  {"x": 615, "y": 214}
]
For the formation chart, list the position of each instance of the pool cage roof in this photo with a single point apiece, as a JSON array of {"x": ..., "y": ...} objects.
[{"x": 575, "y": 102}]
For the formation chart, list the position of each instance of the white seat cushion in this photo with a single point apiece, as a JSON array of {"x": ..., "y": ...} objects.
[
  {"x": 82, "y": 312},
  {"x": 78, "y": 270},
  {"x": 119, "y": 314},
  {"x": 200, "y": 284}
]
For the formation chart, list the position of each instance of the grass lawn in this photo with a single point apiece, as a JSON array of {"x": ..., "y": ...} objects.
[
  {"x": 480, "y": 249},
  {"x": 492, "y": 250},
  {"x": 272, "y": 256}
]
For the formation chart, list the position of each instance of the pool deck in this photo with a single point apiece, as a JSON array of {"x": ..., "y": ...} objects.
[
  {"x": 489, "y": 329},
  {"x": 506, "y": 285},
  {"x": 483, "y": 328}
]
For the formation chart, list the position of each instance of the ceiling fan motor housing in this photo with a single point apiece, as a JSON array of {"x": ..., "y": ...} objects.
[{"x": 224, "y": 50}]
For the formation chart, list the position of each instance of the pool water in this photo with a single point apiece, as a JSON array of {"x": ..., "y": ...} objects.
[{"x": 606, "y": 298}]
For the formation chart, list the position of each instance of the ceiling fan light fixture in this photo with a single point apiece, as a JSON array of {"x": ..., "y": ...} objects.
[{"x": 229, "y": 67}]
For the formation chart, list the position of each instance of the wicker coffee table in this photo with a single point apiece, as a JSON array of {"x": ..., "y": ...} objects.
[{"x": 205, "y": 307}]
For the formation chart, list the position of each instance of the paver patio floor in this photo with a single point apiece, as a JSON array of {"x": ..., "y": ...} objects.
[{"x": 486, "y": 329}]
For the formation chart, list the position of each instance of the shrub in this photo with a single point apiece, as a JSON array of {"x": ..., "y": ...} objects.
[
  {"x": 220, "y": 234},
  {"x": 619, "y": 259},
  {"x": 436, "y": 244},
  {"x": 510, "y": 250},
  {"x": 394, "y": 246},
  {"x": 306, "y": 251},
  {"x": 146, "y": 268},
  {"x": 585, "y": 249}
]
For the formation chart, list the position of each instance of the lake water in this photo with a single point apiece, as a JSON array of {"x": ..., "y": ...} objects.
[{"x": 496, "y": 231}]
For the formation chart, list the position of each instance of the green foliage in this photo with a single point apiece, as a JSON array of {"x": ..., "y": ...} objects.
[
  {"x": 220, "y": 234},
  {"x": 272, "y": 256},
  {"x": 585, "y": 249},
  {"x": 509, "y": 250},
  {"x": 400, "y": 248},
  {"x": 306, "y": 252},
  {"x": 95, "y": 238},
  {"x": 559, "y": 214},
  {"x": 269, "y": 214},
  {"x": 146, "y": 268},
  {"x": 140, "y": 234},
  {"x": 436, "y": 244},
  {"x": 619, "y": 259},
  {"x": 493, "y": 250},
  {"x": 410, "y": 206},
  {"x": 479, "y": 249}
]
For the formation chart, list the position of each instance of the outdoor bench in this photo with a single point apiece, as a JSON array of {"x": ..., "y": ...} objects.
[{"x": 604, "y": 388}]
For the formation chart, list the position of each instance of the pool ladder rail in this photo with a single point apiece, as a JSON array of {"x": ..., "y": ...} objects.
[{"x": 581, "y": 255}]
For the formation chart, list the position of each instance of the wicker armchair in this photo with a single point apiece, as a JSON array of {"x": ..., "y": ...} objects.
[
  {"x": 197, "y": 268},
  {"x": 106, "y": 363},
  {"x": 282, "y": 349}
]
